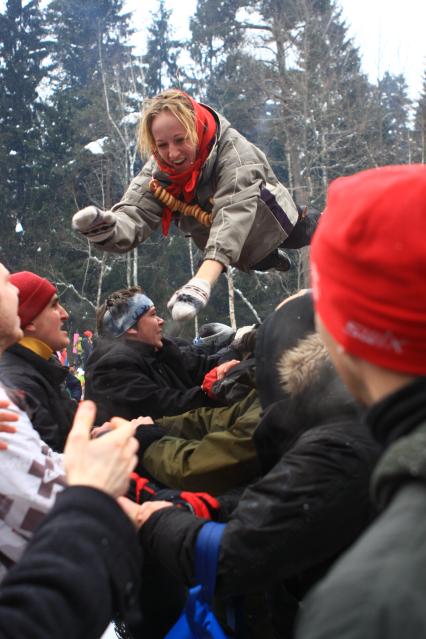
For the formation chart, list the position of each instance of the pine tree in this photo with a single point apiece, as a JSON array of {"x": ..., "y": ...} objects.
[
  {"x": 90, "y": 52},
  {"x": 419, "y": 133},
  {"x": 160, "y": 60},
  {"x": 389, "y": 137},
  {"x": 22, "y": 70},
  {"x": 95, "y": 99},
  {"x": 215, "y": 32},
  {"x": 331, "y": 102}
]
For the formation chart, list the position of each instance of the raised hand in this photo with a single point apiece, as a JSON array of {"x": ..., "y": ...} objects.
[
  {"x": 104, "y": 463},
  {"x": 190, "y": 299},
  {"x": 94, "y": 224}
]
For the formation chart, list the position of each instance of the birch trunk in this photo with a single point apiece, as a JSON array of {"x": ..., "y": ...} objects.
[{"x": 231, "y": 298}]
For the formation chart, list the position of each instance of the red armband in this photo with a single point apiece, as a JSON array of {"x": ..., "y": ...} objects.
[
  {"x": 210, "y": 378},
  {"x": 202, "y": 504}
]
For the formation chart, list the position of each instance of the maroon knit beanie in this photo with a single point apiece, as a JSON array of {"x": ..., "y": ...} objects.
[
  {"x": 368, "y": 264},
  {"x": 35, "y": 293}
]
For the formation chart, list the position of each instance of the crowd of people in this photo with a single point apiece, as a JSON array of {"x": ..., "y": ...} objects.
[{"x": 303, "y": 435}]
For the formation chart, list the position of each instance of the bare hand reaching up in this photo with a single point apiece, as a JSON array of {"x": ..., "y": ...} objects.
[
  {"x": 104, "y": 463},
  {"x": 108, "y": 427}
]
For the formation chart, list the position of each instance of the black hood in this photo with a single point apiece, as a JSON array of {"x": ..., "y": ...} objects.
[{"x": 280, "y": 331}]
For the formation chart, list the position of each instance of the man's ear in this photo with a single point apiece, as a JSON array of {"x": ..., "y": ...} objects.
[
  {"x": 131, "y": 331},
  {"x": 30, "y": 328}
]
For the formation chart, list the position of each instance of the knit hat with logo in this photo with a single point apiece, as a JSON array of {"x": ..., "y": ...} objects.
[
  {"x": 368, "y": 266},
  {"x": 35, "y": 293}
]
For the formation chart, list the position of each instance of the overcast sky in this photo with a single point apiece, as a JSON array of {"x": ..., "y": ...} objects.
[{"x": 390, "y": 34}]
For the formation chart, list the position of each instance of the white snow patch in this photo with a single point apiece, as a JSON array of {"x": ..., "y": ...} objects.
[
  {"x": 131, "y": 118},
  {"x": 97, "y": 146},
  {"x": 19, "y": 228}
]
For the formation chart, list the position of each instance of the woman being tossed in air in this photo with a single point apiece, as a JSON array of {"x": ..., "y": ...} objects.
[{"x": 242, "y": 213}]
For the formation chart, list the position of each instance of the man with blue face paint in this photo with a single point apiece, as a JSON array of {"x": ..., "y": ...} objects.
[{"x": 134, "y": 371}]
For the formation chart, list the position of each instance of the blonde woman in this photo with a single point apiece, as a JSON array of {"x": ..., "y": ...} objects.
[{"x": 242, "y": 213}]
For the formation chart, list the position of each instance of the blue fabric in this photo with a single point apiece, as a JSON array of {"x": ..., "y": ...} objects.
[
  {"x": 119, "y": 318},
  {"x": 197, "y": 620}
]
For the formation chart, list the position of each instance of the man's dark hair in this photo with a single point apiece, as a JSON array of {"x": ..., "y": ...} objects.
[{"x": 117, "y": 298}]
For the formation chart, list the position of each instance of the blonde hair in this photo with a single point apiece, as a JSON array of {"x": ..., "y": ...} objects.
[{"x": 178, "y": 104}]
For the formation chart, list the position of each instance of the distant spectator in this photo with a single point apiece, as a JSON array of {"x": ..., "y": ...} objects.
[
  {"x": 73, "y": 384},
  {"x": 86, "y": 347}
]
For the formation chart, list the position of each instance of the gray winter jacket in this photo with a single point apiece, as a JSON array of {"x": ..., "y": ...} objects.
[
  {"x": 377, "y": 589},
  {"x": 252, "y": 212}
]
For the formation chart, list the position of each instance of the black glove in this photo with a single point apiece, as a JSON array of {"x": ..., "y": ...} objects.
[{"x": 146, "y": 434}]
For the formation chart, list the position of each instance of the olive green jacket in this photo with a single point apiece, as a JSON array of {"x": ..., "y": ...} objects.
[{"x": 207, "y": 449}]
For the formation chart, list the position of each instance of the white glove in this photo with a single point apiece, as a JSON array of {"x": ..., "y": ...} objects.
[
  {"x": 190, "y": 299},
  {"x": 95, "y": 224}
]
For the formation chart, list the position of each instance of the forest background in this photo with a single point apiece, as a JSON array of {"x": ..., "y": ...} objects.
[{"x": 284, "y": 72}]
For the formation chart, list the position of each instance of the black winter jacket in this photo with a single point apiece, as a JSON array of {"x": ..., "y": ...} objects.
[
  {"x": 50, "y": 408},
  {"x": 127, "y": 378},
  {"x": 310, "y": 505},
  {"x": 80, "y": 569}
]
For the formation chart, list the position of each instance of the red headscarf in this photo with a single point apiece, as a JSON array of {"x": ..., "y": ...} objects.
[{"x": 186, "y": 182}]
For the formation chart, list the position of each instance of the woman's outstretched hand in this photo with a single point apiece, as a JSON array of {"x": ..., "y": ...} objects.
[{"x": 190, "y": 299}]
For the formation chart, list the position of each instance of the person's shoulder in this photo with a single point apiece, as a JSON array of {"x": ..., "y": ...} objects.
[
  {"x": 235, "y": 150},
  {"x": 25, "y": 431},
  {"x": 21, "y": 364},
  {"x": 176, "y": 347},
  {"x": 14, "y": 355},
  {"x": 107, "y": 350},
  {"x": 344, "y": 439},
  {"x": 104, "y": 350},
  {"x": 376, "y": 580}
]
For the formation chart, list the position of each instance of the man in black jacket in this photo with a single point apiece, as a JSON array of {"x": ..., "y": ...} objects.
[
  {"x": 369, "y": 272},
  {"x": 135, "y": 371},
  {"x": 31, "y": 365},
  {"x": 284, "y": 531}
]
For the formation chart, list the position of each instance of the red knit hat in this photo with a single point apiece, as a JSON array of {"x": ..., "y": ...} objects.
[
  {"x": 368, "y": 263},
  {"x": 35, "y": 292}
]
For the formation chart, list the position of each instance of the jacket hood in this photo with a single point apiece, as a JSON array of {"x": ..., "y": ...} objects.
[
  {"x": 280, "y": 331},
  {"x": 311, "y": 395},
  {"x": 404, "y": 461}
]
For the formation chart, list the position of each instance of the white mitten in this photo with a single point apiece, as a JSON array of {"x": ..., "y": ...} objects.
[
  {"x": 95, "y": 224},
  {"x": 190, "y": 299}
]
